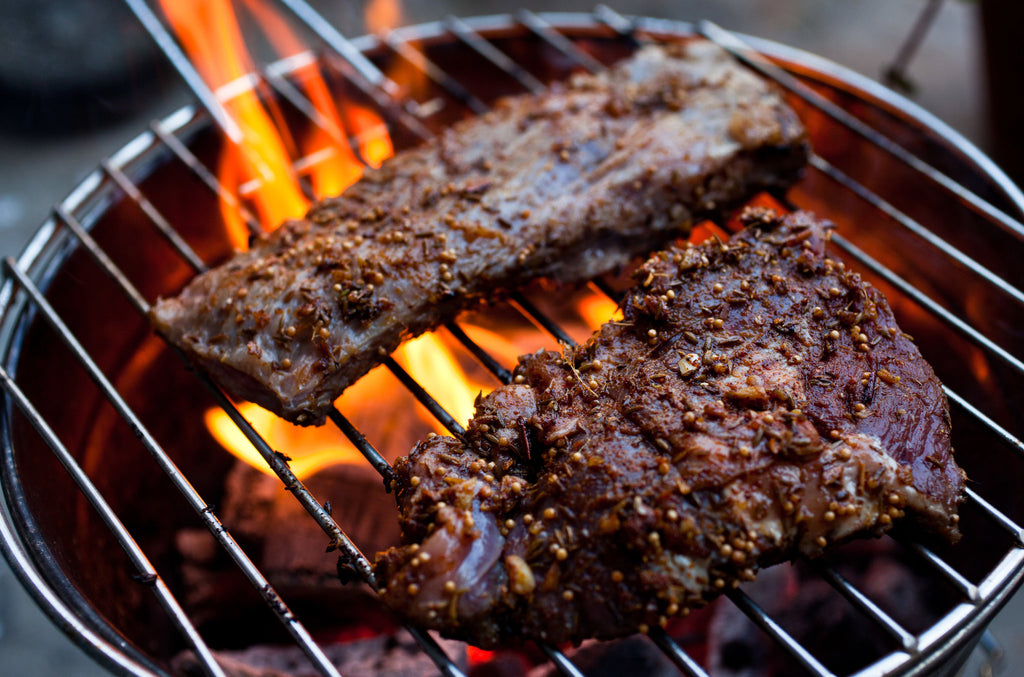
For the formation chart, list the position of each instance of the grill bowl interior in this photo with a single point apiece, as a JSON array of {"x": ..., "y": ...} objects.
[{"x": 81, "y": 562}]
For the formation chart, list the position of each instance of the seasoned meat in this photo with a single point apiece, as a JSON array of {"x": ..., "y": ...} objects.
[
  {"x": 568, "y": 184},
  {"x": 757, "y": 402}
]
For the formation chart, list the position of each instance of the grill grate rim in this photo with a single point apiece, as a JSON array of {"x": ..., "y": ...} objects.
[{"x": 539, "y": 26}]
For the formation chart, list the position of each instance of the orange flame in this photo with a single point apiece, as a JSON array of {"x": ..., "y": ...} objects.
[
  {"x": 319, "y": 447},
  {"x": 426, "y": 358},
  {"x": 391, "y": 418},
  {"x": 341, "y": 169},
  {"x": 260, "y": 168},
  {"x": 596, "y": 310},
  {"x": 381, "y": 16},
  {"x": 208, "y": 30},
  {"x": 371, "y": 135}
]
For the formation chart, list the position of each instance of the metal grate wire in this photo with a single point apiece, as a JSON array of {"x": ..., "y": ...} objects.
[{"x": 403, "y": 114}]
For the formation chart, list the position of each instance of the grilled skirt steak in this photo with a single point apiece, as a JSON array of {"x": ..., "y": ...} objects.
[
  {"x": 568, "y": 184},
  {"x": 757, "y": 402}
]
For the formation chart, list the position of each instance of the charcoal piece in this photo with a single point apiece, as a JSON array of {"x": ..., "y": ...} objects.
[
  {"x": 286, "y": 544},
  {"x": 396, "y": 655}
]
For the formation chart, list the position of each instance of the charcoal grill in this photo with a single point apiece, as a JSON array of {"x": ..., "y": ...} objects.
[{"x": 921, "y": 212}]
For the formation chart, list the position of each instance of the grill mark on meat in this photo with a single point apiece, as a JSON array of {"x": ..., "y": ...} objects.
[
  {"x": 568, "y": 184},
  {"x": 651, "y": 487}
]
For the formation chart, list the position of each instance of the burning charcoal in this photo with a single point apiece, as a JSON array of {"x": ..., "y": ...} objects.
[
  {"x": 283, "y": 541},
  {"x": 396, "y": 655},
  {"x": 736, "y": 648},
  {"x": 816, "y": 615}
]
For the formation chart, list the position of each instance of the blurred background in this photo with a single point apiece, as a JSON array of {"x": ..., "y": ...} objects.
[{"x": 80, "y": 78}]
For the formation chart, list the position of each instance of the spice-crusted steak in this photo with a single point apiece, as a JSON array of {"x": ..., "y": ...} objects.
[
  {"x": 569, "y": 183},
  {"x": 757, "y": 402}
]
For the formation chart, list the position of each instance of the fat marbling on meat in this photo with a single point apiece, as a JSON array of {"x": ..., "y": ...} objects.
[
  {"x": 569, "y": 183},
  {"x": 757, "y": 402}
]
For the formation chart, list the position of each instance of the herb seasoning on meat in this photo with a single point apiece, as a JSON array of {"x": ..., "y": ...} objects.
[
  {"x": 757, "y": 402},
  {"x": 569, "y": 184}
]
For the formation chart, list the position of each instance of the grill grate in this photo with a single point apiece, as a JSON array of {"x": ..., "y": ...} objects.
[{"x": 21, "y": 293}]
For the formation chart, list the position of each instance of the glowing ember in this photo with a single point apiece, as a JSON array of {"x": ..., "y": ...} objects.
[{"x": 478, "y": 656}]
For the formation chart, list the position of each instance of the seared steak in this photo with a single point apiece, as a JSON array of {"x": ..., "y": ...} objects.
[
  {"x": 757, "y": 402},
  {"x": 568, "y": 184}
]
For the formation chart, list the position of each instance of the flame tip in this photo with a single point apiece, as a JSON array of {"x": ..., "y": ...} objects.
[{"x": 258, "y": 165}]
